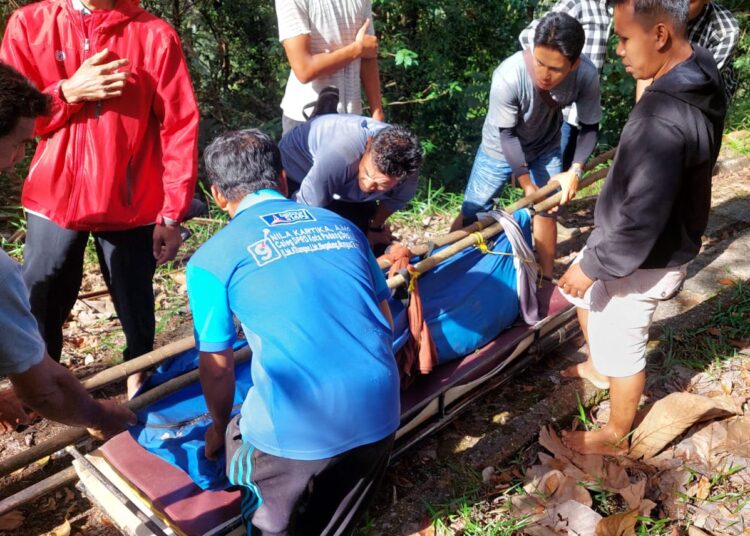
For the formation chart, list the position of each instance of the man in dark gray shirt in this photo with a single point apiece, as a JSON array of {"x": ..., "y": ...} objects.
[
  {"x": 521, "y": 134},
  {"x": 39, "y": 382},
  {"x": 355, "y": 166}
]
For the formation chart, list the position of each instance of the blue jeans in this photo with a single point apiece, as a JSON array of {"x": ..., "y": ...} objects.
[{"x": 490, "y": 175}]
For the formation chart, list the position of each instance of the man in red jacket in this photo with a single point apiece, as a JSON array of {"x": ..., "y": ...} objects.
[{"x": 117, "y": 156}]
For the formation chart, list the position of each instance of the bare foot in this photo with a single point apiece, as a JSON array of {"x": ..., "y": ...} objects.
[
  {"x": 135, "y": 381},
  {"x": 602, "y": 441},
  {"x": 586, "y": 371}
]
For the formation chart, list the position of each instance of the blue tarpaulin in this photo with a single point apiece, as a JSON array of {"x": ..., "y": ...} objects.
[{"x": 468, "y": 300}]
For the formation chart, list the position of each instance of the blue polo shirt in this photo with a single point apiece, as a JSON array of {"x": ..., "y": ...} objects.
[{"x": 305, "y": 287}]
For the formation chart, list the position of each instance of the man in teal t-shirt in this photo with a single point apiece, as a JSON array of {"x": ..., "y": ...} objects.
[{"x": 311, "y": 299}]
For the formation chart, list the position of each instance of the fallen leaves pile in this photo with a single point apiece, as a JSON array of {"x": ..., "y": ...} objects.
[{"x": 689, "y": 462}]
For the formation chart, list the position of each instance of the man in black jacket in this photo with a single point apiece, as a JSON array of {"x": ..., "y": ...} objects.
[{"x": 652, "y": 210}]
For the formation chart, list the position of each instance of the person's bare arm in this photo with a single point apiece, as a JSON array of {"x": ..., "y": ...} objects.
[
  {"x": 308, "y": 66},
  {"x": 53, "y": 392},
  {"x": 370, "y": 75},
  {"x": 217, "y": 380}
]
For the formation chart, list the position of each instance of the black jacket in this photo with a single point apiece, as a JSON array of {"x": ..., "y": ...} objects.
[{"x": 654, "y": 206}]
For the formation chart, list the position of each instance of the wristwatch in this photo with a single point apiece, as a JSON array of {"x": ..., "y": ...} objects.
[
  {"x": 578, "y": 171},
  {"x": 376, "y": 228}
]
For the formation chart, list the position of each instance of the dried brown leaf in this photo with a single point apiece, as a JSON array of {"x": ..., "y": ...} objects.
[
  {"x": 738, "y": 437},
  {"x": 714, "y": 331},
  {"x": 701, "y": 489},
  {"x": 672, "y": 416},
  {"x": 61, "y": 530},
  {"x": 618, "y": 525},
  {"x": 550, "y": 441},
  {"x": 634, "y": 493},
  {"x": 571, "y": 517},
  {"x": 726, "y": 281},
  {"x": 12, "y": 520},
  {"x": 49, "y": 504},
  {"x": 615, "y": 476}
]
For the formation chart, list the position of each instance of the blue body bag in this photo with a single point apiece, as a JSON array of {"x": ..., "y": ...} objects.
[{"x": 467, "y": 301}]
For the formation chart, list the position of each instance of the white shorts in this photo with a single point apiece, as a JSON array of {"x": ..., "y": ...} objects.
[{"x": 620, "y": 314}]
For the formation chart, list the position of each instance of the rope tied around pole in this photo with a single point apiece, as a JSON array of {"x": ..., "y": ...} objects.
[{"x": 413, "y": 275}]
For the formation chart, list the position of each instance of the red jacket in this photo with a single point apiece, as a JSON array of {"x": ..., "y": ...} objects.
[{"x": 112, "y": 164}]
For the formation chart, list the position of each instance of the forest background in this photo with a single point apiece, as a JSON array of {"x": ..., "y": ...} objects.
[{"x": 436, "y": 60}]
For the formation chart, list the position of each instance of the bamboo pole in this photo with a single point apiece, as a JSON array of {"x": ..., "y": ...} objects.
[
  {"x": 531, "y": 199},
  {"x": 72, "y": 435},
  {"x": 138, "y": 364},
  {"x": 33, "y": 492},
  {"x": 488, "y": 232}
]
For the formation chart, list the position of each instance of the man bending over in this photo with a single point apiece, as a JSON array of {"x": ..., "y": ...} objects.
[
  {"x": 521, "y": 134},
  {"x": 355, "y": 166}
]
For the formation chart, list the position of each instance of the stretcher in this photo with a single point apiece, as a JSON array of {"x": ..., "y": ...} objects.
[
  {"x": 173, "y": 502},
  {"x": 481, "y": 342}
]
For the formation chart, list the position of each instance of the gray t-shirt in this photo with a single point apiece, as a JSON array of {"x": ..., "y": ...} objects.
[
  {"x": 323, "y": 156},
  {"x": 21, "y": 346},
  {"x": 516, "y": 103}
]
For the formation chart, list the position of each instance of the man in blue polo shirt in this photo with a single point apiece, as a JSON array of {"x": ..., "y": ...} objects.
[{"x": 317, "y": 426}]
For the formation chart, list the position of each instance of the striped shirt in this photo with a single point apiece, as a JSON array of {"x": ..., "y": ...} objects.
[
  {"x": 717, "y": 30},
  {"x": 331, "y": 24}
]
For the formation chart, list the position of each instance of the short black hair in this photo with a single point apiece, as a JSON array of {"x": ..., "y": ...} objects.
[
  {"x": 561, "y": 32},
  {"x": 240, "y": 162},
  {"x": 396, "y": 152},
  {"x": 674, "y": 10},
  {"x": 18, "y": 98}
]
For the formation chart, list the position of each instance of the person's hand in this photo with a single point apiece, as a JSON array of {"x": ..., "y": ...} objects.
[
  {"x": 568, "y": 181},
  {"x": 574, "y": 282},
  {"x": 214, "y": 442},
  {"x": 96, "y": 79},
  {"x": 167, "y": 241},
  {"x": 378, "y": 115},
  {"x": 12, "y": 413},
  {"x": 367, "y": 42},
  {"x": 528, "y": 186},
  {"x": 113, "y": 418}
]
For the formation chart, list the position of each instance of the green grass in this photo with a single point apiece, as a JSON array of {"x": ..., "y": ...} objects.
[
  {"x": 714, "y": 342},
  {"x": 429, "y": 201}
]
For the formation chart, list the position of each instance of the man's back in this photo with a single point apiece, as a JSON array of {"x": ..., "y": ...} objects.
[{"x": 302, "y": 282}]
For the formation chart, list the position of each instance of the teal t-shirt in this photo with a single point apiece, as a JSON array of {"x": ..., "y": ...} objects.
[{"x": 305, "y": 287}]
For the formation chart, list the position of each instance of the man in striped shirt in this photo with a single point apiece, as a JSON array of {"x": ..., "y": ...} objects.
[
  {"x": 715, "y": 28},
  {"x": 328, "y": 43}
]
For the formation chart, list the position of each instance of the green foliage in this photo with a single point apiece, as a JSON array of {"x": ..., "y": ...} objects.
[{"x": 436, "y": 61}]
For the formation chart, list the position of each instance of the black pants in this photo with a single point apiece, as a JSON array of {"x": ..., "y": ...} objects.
[
  {"x": 53, "y": 269},
  {"x": 283, "y": 497}
]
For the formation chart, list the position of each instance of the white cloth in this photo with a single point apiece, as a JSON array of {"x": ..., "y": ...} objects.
[
  {"x": 620, "y": 314},
  {"x": 331, "y": 24}
]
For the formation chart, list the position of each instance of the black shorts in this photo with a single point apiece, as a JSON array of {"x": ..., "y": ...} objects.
[{"x": 281, "y": 496}]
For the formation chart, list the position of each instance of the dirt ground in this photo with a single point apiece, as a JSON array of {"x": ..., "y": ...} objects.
[{"x": 93, "y": 342}]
